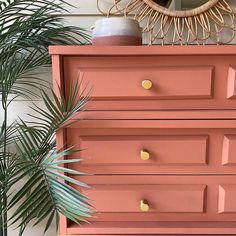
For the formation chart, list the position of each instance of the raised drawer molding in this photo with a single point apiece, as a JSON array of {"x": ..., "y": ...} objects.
[
  {"x": 161, "y": 198},
  {"x": 229, "y": 150},
  {"x": 227, "y": 199},
  {"x": 167, "y": 82},
  {"x": 158, "y": 138},
  {"x": 152, "y": 150},
  {"x": 231, "y": 90}
]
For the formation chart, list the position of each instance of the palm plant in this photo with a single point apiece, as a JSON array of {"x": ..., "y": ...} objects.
[{"x": 27, "y": 27}]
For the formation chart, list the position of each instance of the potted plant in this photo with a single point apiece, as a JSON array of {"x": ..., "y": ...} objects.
[{"x": 27, "y": 27}]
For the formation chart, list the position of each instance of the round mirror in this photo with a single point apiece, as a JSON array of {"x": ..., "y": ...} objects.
[
  {"x": 180, "y": 4},
  {"x": 163, "y": 3},
  {"x": 179, "y": 21},
  {"x": 204, "y": 7}
]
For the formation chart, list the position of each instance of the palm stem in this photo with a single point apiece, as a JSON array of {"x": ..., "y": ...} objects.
[
  {"x": 4, "y": 196},
  {"x": 1, "y": 221},
  {"x": 5, "y": 215}
]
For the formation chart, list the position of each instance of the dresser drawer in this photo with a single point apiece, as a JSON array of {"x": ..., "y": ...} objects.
[
  {"x": 151, "y": 83},
  {"x": 157, "y": 82},
  {"x": 151, "y": 147},
  {"x": 142, "y": 150},
  {"x": 162, "y": 198}
]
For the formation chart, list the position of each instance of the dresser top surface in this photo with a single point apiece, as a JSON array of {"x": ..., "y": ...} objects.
[{"x": 142, "y": 50}]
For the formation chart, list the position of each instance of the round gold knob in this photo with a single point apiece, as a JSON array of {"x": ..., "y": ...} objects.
[
  {"x": 145, "y": 155},
  {"x": 147, "y": 84},
  {"x": 144, "y": 205}
]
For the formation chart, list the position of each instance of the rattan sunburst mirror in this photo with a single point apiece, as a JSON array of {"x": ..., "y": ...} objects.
[{"x": 212, "y": 21}]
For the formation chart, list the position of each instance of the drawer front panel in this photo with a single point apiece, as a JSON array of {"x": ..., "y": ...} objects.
[
  {"x": 167, "y": 83},
  {"x": 161, "y": 198},
  {"x": 169, "y": 198},
  {"x": 156, "y": 150},
  {"x": 177, "y": 82},
  {"x": 170, "y": 147}
]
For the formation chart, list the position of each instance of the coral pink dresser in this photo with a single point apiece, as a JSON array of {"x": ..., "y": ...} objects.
[{"x": 159, "y": 137}]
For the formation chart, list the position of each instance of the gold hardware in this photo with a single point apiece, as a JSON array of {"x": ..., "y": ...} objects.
[
  {"x": 145, "y": 155},
  {"x": 144, "y": 205},
  {"x": 147, "y": 84}
]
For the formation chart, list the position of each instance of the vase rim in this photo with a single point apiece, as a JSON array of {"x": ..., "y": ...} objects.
[{"x": 116, "y": 19}]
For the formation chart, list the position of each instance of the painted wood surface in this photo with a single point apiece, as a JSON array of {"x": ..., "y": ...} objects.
[
  {"x": 171, "y": 198},
  {"x": 187, "y": 80},
  {"x": 117, "y": 150},
  {"x": 167, "y": 82},
  {"x": 162, "y": 149},
  {"x": 163, "y": 228},
  {"x": 141, "y": 234},
  {"x": 142, "y": 50},
  {"x": 185, "y": 124}
]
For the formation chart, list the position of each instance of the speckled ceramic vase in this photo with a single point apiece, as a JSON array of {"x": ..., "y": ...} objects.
[{"x": 116, "y": 31}]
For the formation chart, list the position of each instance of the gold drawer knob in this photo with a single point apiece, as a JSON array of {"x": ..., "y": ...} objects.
[
  {"x": 147, "y": 84},
  {"x": 144, "y": 205},
  {"x": 145, "y": 155}
]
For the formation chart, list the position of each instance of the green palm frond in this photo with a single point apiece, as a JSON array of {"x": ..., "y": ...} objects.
[
  {"x": 36, "y": 21},
  {"x": 6, "y": 157},
  {"x": 27, "y": 28},
  {"x": 16, "y": 73},
  {"x": 7, "y": 164},
  {"x": 48, "y": 192},
  {"x": 60, "y": 110},
  {"x": 44, "y": 194},
  {"x": 10, "y": 131}
]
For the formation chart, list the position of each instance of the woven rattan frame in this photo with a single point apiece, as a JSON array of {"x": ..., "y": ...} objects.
[{"x": 213, "y": 22}]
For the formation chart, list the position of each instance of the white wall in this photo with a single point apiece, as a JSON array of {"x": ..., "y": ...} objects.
[{"x": 84, "y": 15}]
